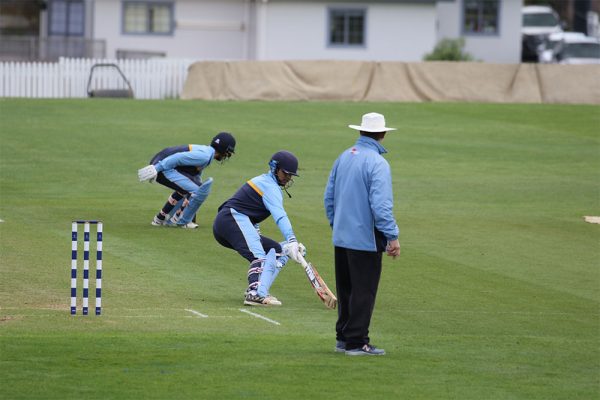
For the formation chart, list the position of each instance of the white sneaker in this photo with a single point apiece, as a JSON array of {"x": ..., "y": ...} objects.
[
  {"x": 272, "y": 300},
  {"x": 189, "y": 225},
  {"x": 158, "y": 222}
]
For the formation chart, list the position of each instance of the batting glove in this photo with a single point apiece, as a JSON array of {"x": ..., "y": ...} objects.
[
  {"x": 292, "y": 250},
  {"x": 302, "y": 249}
]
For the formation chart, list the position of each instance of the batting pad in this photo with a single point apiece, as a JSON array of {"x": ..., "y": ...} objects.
[{"x": 269, "y": 273}]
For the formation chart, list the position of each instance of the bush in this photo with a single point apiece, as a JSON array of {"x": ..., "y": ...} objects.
[{"x": 449, "y": 50}]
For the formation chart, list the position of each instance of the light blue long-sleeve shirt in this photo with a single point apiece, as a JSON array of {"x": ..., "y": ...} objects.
[
  {"x": 199, "y": 156},
  {"x": 260, "y": 197},
  {"x": 273, "y": 201},
  {"x": 358, "y": 198}
]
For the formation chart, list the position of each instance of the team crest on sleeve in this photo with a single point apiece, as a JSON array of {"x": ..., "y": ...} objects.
[{"x": 354, "y": 151}]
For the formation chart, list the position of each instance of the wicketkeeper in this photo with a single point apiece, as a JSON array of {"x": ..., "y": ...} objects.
[
  {"x": 180, "y": 168},
  {"x": 236, "y": 227}
]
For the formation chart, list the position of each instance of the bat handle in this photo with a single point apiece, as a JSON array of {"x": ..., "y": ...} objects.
[{"x": 302, "y": 260}]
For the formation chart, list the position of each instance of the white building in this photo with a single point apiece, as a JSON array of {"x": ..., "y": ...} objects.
[
  {"x": 269, "y": 30},
  {"x": 491, "y": 28},
  {"x": 383, "y": 30}
]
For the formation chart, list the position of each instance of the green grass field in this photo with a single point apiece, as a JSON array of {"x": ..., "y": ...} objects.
[{"x": 495, "y": 296}]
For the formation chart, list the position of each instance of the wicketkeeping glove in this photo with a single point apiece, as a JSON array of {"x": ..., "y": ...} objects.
[{"x": 148, "y": 173}]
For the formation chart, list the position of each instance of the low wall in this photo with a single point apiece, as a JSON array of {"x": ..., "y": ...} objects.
[{"x": 393, "y": 81}]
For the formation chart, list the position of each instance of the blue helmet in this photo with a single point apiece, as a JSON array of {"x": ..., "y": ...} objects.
[
  {"x": 285, "y": 161},
  {"x": 224, "y": 143}
]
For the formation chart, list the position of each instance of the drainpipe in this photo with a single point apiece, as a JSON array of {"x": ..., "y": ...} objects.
[
  {"x": 261, "y": 26},
  {"x": 246, "y": 30}
]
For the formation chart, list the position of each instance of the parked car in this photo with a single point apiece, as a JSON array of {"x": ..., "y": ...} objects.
[
  {"x": 554, "y": 43},
  {"x": 578, "y": 49},
  {"x": 539, "y": 22}
]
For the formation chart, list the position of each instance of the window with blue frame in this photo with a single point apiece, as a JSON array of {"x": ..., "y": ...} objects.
[
  {"x": 148, "y": 17},
  {"x": 481, "y": 17},
  {"x": 347, "y": 27},
  {"x": 66, "y": 18}
]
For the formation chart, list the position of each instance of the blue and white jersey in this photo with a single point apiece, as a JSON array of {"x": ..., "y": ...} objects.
[
  {"x": 257, "y": 199},
  {"x": 192, "y": 158},
  {"x": 358, "y": 198}
]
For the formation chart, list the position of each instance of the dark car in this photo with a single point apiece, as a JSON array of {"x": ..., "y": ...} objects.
[{"x": 538, "y": 23}]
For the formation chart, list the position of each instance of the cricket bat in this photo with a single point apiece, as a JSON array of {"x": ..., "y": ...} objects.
[{"x": 320, "y": 287}]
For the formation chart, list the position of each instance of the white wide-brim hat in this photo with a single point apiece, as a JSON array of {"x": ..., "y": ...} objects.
[{"x": 372, "y": 122}]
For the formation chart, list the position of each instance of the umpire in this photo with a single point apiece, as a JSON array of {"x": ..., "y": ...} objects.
[{"x": 359, "y": 206}]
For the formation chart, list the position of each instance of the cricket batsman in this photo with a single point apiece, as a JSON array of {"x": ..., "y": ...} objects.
[{"x": 236, "y": 226}]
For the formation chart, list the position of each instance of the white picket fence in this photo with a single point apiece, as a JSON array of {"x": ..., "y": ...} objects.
[{"x": 68, "y": 78}]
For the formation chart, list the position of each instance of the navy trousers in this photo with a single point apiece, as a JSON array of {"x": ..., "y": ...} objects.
[
  {"x": 229, "y": 234},
  {"x": 357, "y": 275}
]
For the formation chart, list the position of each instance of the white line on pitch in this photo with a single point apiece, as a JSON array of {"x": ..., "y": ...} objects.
[
  {"x": 260, "y": 316},
  {"x": 197, "y": 313}
]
